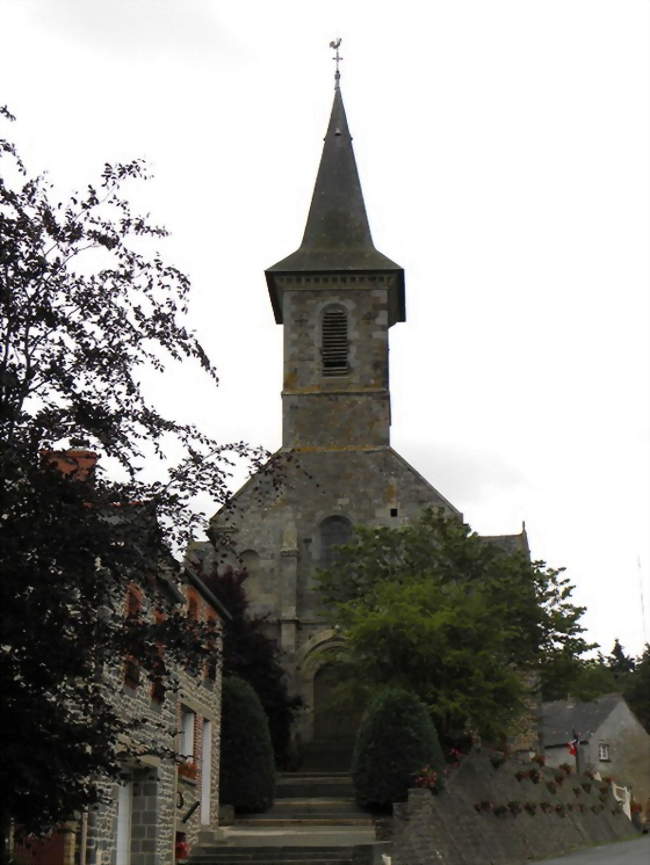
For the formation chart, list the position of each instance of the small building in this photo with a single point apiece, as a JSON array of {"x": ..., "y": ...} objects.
[
  {"x": 610, "y": 740},
  {"x": 164, "y": 800},
  {"x": 167, "y": 795}
]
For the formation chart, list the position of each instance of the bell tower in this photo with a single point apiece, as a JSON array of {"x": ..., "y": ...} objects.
[{"x": 336, "y": 296}]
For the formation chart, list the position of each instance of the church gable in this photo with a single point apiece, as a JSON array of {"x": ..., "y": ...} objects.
[{"x": 337, "y": 298}]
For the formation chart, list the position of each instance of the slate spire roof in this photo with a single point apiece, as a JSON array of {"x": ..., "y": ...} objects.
[{"x": 337, "y": 235}]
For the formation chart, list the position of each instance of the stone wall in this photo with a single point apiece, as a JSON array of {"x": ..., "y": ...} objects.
[
  {"x": 345, "y": 410},
  {"x": 162, "y": 795},
  {"x": 278, "y": 528},
  {"x": 502, "y": 816}
]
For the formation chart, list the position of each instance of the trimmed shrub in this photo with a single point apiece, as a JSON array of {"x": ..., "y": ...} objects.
[
  {"x": 396, "y": 739},
  {"x": 247, "y": 777}
]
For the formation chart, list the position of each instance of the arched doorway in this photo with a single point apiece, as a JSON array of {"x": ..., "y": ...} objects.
[{"x": 337, "y": 713}]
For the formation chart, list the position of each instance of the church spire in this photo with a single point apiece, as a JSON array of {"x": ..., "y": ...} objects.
[{"x": 337, "y": 234}]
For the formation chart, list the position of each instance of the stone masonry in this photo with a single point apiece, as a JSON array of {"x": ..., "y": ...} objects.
[
  {"x": 337, "y": 297},
  {"x": 161, "y": 796}
]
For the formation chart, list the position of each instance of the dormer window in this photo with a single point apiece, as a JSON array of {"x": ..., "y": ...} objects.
[{"x": 334, "y": 350}]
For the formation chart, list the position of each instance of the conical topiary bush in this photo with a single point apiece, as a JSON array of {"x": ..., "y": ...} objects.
[
  {"x": 246, "y": 775},
  {"x": 396, "y": 739}
]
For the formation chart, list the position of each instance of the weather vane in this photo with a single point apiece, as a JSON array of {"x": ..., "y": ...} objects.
[{"x": 335, "y": 43}]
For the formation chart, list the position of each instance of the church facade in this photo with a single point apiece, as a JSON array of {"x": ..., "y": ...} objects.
[{"x": 337, "y": 298}]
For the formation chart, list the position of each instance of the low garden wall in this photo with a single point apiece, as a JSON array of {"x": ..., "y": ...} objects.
[{"x": 505, "y": 812}]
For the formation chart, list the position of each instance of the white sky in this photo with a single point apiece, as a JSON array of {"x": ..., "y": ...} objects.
[{"x": 503, "y": 151}]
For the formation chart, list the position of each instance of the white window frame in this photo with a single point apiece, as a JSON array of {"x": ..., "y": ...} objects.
[
  {"x": 603, "y": 752},
  {"x": 124, "y": 823},
  {"x": 187, "y": 744},
  {"x": 206, "y": 772}
]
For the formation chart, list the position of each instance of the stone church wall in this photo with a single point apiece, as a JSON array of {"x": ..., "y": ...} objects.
[
  {"x": 276, "y": 525},
  {"x": 346, "y": 411}
]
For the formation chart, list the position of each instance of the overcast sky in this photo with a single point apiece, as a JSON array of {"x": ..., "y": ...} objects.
[{"x": 503, "y": 152}]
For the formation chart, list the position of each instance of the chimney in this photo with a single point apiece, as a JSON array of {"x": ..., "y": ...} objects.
[{"x": 79, "y": 465}]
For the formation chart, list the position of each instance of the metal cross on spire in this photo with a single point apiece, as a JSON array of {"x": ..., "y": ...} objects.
[{"x": 335, "y": 44}]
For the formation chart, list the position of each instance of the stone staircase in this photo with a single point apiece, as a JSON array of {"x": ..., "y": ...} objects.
[{"x": 314, "y": 821}]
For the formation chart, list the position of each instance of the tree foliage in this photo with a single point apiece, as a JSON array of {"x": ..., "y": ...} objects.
[
  {"x": 254, "y": 657},
  {"x": 434, "y": 608},
  {"x": 588, "y": 678},
  {"x": 637, "y": 688},
  {"x": 395, "y": 741},
  {"x": 247, "y": 776},
  {"x": 86, "y": 303}
]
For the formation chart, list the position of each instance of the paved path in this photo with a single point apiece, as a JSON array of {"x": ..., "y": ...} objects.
[
  {"x": 305, "y": 836},
  {"x": 636, "y": 852}
]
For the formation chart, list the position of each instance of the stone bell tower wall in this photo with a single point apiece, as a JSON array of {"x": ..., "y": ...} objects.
[{"x": 343, "y": 410}]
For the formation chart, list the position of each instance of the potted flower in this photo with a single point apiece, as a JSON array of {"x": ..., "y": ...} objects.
[{"x": 188, "y": 770}]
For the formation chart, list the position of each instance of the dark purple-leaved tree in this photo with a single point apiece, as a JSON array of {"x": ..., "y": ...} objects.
[
  {"x": 85, "y": 305},
  {"x": 250, "y": 654}
]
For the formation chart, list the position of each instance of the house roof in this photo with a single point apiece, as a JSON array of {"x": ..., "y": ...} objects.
[
  {"x": 510, "y": 543},
  {"x": 207, "y": 593},
  {"x": 561, "y": 717}
]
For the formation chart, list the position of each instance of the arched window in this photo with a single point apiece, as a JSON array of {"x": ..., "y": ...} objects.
[
  {"x": 334, "y": 350},
  {"x": 334, "y": 532}
]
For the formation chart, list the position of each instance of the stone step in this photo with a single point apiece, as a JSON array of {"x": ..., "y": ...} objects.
[
  {"x": 298, "y": 855},
  {"x": 307, "y": 785},
  {"x": 315, "y": 803},
  {"x": 261, "y": 860},
  {"x": 326, "y": 756},
  {"x": 345, "y": 851},
  {"x": 310, "y": 820}
]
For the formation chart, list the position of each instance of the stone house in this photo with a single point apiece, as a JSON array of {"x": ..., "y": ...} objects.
[
  {"x": 336, "y": 297},
  {"x": 162, "y": 800},
  {"x": 169, "y": 784},
  {"x": 611, "y": 740}
]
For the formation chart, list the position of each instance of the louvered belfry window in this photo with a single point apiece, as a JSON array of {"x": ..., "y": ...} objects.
[{"x": 335, "y": 341}]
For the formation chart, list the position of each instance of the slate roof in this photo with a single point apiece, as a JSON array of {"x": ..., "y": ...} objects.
[
  {"x": 337, "y": 235},
  {"x": 561, "y": 717},
  {"x": 510, "y": 543}
]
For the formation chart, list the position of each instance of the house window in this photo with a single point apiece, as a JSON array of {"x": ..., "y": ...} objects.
[
  {"x": 334, "y": 347},
  {"x": 133, "y": 614},
  {"x": 211, "y": 663},
  {"x": 187, "y": 746},
  {"x": 193, "y": 608},
  {"x": 188, "y": 721},
  {"x": 158, "y": 669},
  {"x": 603, "y": 751}
]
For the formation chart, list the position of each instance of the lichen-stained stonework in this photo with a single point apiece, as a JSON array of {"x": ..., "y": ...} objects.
[
  {"x": 337, "y": 297},
  {"x": 351, "y": 410},
  {"x": 280, "y": 530},
  {"x": 161, "y": 796}
]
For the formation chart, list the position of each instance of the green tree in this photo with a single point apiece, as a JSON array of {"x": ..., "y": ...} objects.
[
  {"x": 395, "y": 741},
  {"x": 434, "y": 608},
  {"x": 619, "y": 663},
  {"x": 86, "y": 303},
  {"x": 247, "y": 779},
  {"x": 637, "y": 690},
  {"x": 565, "y": 674}
]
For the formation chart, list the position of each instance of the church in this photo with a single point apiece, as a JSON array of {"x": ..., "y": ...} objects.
[{"x": 336, "y": 297}]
